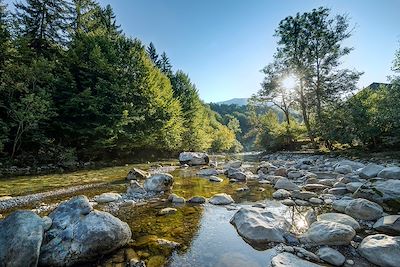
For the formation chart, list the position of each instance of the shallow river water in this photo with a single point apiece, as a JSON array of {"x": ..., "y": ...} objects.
[{"x": 206, "y": 236}]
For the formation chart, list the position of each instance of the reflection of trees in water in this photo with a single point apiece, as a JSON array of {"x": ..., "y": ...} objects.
[{"x": 297, "y": 217}]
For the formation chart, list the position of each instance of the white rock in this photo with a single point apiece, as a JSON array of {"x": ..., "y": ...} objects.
[
  {"x": 287, "y": 259},
  {"x": 193, "y": 158},
  {"x": 107, "y": 197},
  {"x": 328, "y": 233},
  {"x": 257, "y": 225},
  {"x": 340, "y": 218},
  {"x": 159, "y": 182},
  {"x": 221, "y": 199},
  {"x": 380, "y": 249}
]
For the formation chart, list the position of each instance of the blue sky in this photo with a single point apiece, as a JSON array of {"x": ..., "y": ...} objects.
[{"x": 223, "y": 44}]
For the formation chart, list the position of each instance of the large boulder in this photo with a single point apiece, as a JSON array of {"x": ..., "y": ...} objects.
[
  {"x": 388, "y": 224},
  {"x": 341, "y": 204},
  {"x": 258, "y": 226},
  {"x": 384, "y": 192},
  {"x": 380, "y": 249},
  {"x": 194, "y": 158},
  {"x": 21, "y": 234},
  {"x": 159, "y": 182},
  {"x": 364, "y": 209},
  {"x": 328, "y": 233},
  {"x": 370, "y": 171},
  {"x": 80, "y": 234},
  {"x": 287, "y": 259},
  {"x": 390, "y": 173},
  {"x": 340, "y": 218},
  {"x": 285, "y": 183},
  {"x": 137, "y": 174}
]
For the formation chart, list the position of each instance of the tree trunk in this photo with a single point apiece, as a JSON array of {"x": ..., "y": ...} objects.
[{"x": 304, "y": 112}]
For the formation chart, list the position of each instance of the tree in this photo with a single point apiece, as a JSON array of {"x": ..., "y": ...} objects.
[
  {"x": 311, "y": 44},
  {"x": 84, "y": 14},
  {"x": 43, "y": 23},
  {"x": 152, "y": 52},
  {"x": 165, "y": 65}
]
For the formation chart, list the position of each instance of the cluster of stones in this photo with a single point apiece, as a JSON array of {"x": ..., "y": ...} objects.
[{"x": 362, "y": 195}]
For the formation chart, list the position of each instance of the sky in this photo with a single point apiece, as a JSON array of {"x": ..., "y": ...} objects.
[{"x": 224, "y": 44}]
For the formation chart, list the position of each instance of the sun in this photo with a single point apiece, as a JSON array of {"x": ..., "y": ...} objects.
[{"x": 289, "y": 82}]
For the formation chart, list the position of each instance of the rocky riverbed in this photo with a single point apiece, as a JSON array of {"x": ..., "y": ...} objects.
[{"x": 284, "y": 209}]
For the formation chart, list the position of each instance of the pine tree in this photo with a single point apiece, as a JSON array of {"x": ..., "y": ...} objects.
[
  {"x": 165, "y": 65},
  {"x": 84, "y": 15},
  {"x": 43, "y": 22},
  {"x": 108, "y": 20},
  {"x": 152, "y": 52},
  {"x": 4, "y": 35}
]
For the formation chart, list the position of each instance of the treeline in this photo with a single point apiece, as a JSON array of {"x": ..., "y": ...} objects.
[
  {"x": 74, "y": 87},
  {"x": 310, "y": 51}
]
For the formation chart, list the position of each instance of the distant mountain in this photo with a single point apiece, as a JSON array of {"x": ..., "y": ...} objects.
[{"x": 234, "y": 101}]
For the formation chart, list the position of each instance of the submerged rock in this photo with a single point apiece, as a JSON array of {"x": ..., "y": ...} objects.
[
  {"x": 80, "y": 234},
  {"x": 107, "y": 197},
  {"x": 221, "y": 199},
  {"x": 21, "y": 235},
  {"x": 167, "y": 211},
  {"x": 364, "y": 209},
  {"x": 194, "y": 158},
  {"x": 159, "y": 182},
  {"x": 328, "y": 233},
  {"x": 380, "y": 249},
  {"x": 287, "y": 259},
  {"x": 259, "y": 227}
]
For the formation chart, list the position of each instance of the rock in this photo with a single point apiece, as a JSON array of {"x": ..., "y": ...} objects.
[
  {"x": 221, "y": 199},
  {"x": 80, "y": 234},
  {"x": 304, "y": 195},
  {"x": 135, "y": 188},
  {"x": 167, "y": 243},
  {"x": 159, "y": 182},
  {"x": 281, "y": 172},
  {"x": 331, "y": 256},
  {"x": 390, "y": 173},
  {"x": 137, "y": 174},
  {"x": 107, "y": 197},
  {"x": 353, "y": 164},
  {"x": 338, "y": 191},
  {"x": 233, "y": 164},
  {"x": 197, "y": 200},
  {"x": 207, "y": 172},
  {"x": 310, "y": 217},
  {"x": 288, "y": 202},
  {"x": 316, "y": 201},
  {"x": 353, "y": 186},
  {"x": 194, "y": 158},
  {"x": 388, "y": 224},
  {"x": 281, "y": 193},
  {"x": 4, "y": 198},
  {"x": 285, "y": 183},
  {"x": 294, "y": 174},
  {"x": 340, "y": 218},
  {"x": 341, "y": 204},
  {"x": 328, "y": 233},
  {"x": 238, "y": 176},
  {"x": 314, "y": 187},
  {"x": 215, "y": 179},
  {"x": 259, "y": 226},
  {"x": 174, "y": 198},
  {"x": 364, "y": 209},
  {"x": 166, "y": 211},
  {"x": 21, "y": 235},
  {"x": 326, "y": 175},
  {"x": 47, "y": 222},
  {"x": 327, "y": 182},
  {"x": 242, "y": 189},
  {"x": 300, "y": 202},
  {"x": 287, "y": 259},
  {"x": 343, "y": 169},
  {"x": 380, "y": 249},
  {"x": 370, "y": 171},
  {"x": 386, "y": 193},
  {"x": 265, "y": 167}
]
